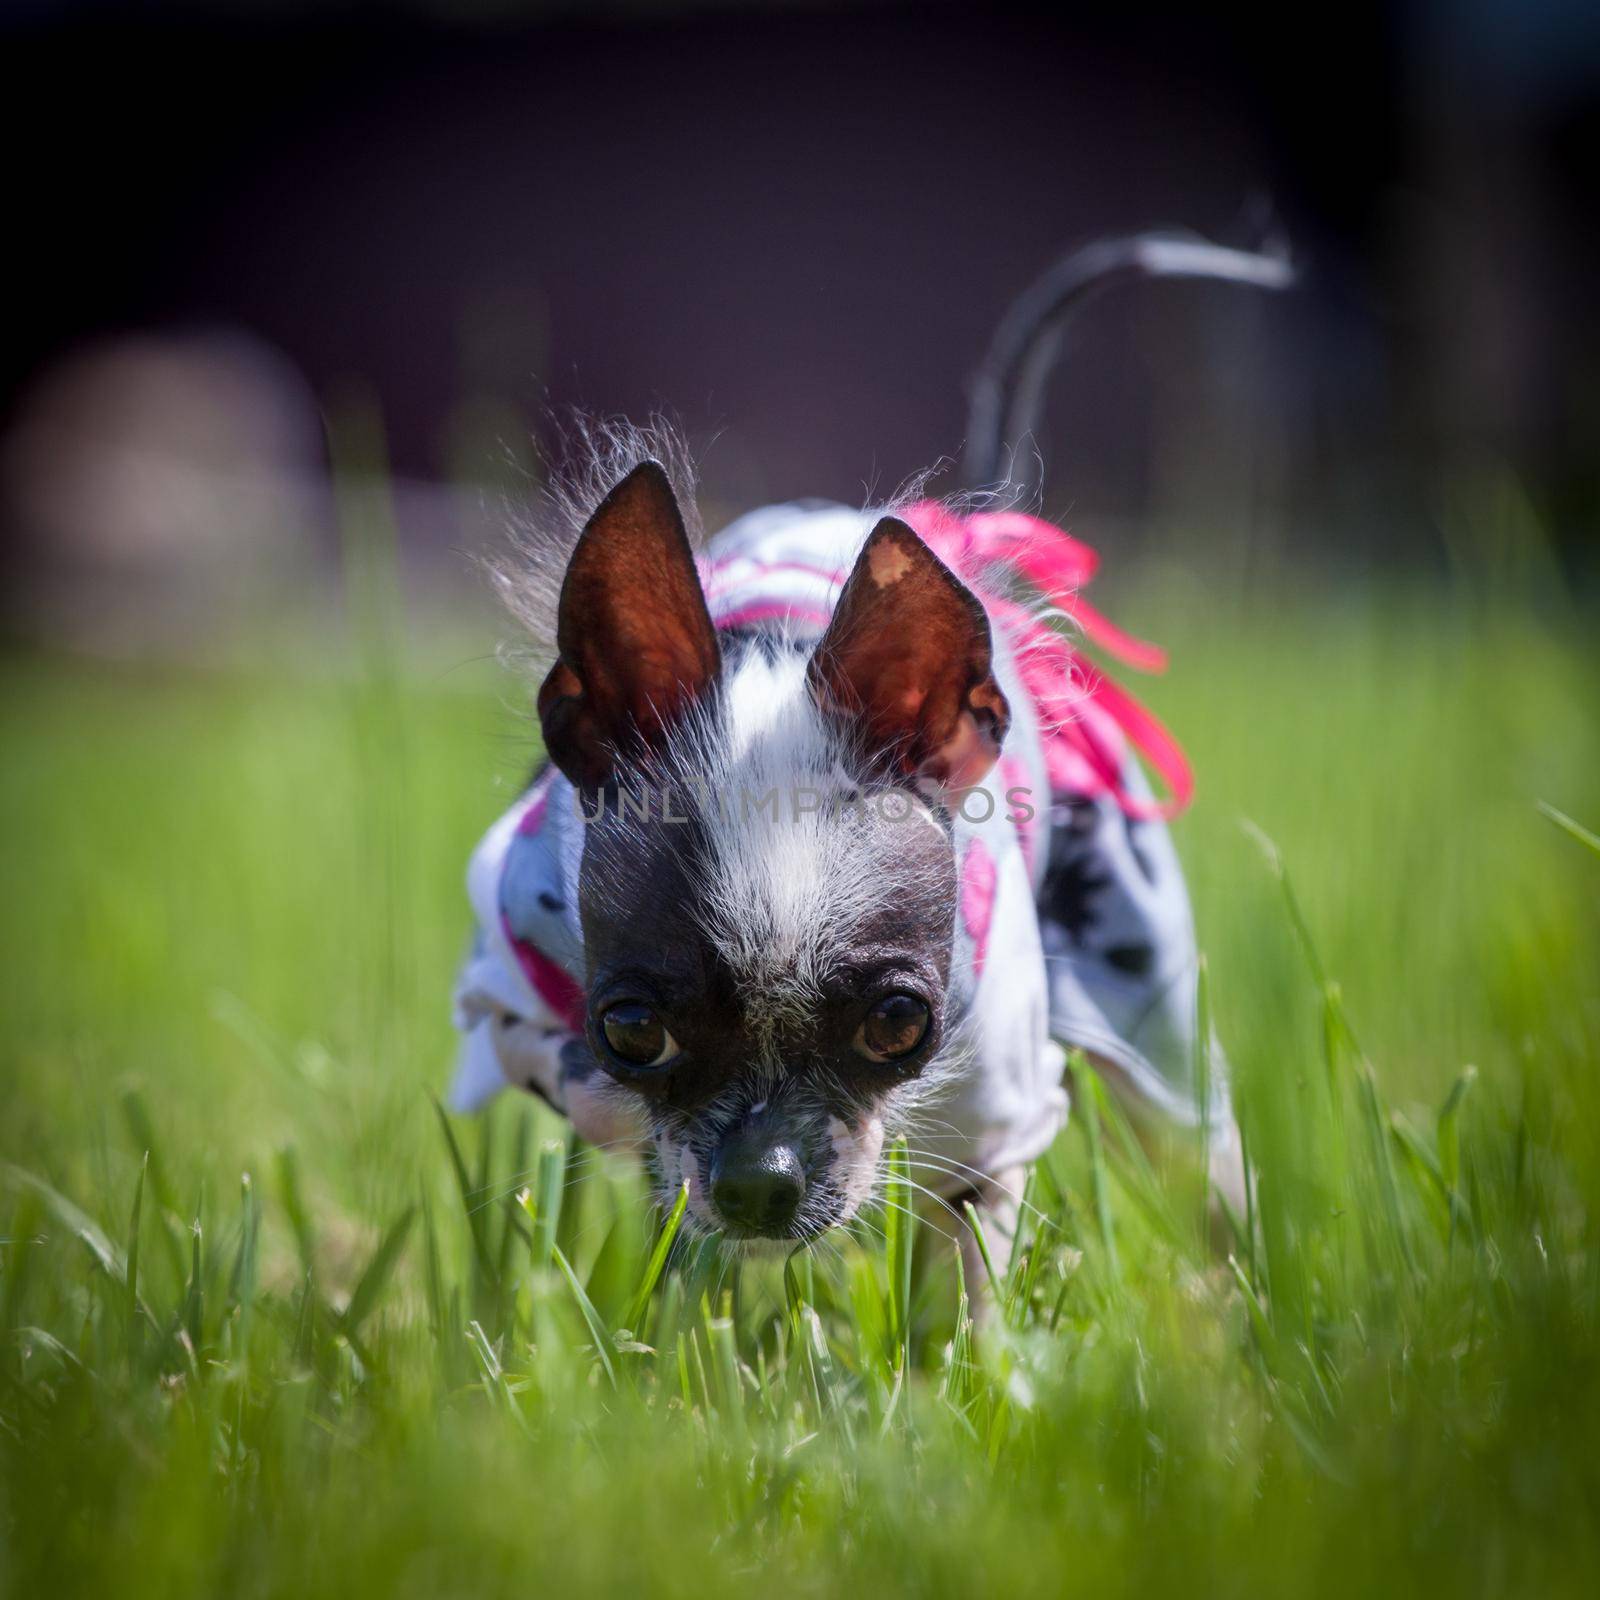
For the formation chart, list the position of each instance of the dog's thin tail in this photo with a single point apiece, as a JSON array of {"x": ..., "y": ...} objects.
[{"x": 1007, "y": 395}]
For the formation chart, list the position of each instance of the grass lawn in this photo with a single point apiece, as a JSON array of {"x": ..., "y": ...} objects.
[{"x": 267, "y": 1327}]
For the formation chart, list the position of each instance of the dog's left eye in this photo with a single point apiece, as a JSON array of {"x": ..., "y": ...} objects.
[
  {"x": 636, "y": 1035},
  {"x": 894, "y": 1027}
]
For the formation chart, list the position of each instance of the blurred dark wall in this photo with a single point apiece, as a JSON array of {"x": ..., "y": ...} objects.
[{"x": 794, "y": 226}]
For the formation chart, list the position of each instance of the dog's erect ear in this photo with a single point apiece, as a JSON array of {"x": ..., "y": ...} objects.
[
  {"x": 907, "y": 660},
  {"x": 636, "y": 642}
]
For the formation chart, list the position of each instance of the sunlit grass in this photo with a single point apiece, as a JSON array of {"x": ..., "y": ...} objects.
[{"x": 269, "y": 1323}]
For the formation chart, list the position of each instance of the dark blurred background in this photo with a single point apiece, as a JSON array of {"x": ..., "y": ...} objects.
[{"x": 242, "y": 230}]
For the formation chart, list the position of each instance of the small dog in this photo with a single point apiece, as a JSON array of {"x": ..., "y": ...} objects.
[{"x": 839, "y": 834}]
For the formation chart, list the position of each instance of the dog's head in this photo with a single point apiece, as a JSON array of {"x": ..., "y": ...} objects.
[{"x": 768, "y": 886}]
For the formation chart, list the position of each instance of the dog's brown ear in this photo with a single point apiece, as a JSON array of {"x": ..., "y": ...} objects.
[
  {"x": 636, "y": 642},
  {"x": 907, "y": 661}
]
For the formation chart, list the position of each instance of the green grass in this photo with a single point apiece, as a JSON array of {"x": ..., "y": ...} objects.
[{"x": 268, "y": 1327}]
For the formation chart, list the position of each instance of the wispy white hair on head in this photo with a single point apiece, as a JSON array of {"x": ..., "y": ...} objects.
[{"x": 592, "y": 456}]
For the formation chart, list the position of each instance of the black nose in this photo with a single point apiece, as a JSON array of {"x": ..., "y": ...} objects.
[{"x": 757, "y": 1187}]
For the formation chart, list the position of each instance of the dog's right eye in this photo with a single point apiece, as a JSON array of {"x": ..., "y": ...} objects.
[
  {"x": 636, "y": 1036},
  {"x": 894, "y": 1028}
]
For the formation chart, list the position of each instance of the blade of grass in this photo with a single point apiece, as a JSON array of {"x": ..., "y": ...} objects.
[
  {"x": 957, "y": 1385},
  {"x": 1087, "y": 1081},
  {"x": 1297, "y": 921},
  {"x": 194, "y": 1299},
  {"x": 799, "y": 1282},
  {"x": 1427, "y": 1175},
  {"x": 242, "y": 1277},
  {"x": 1260, "y": 1322},
  {"x": 1383, "y": 1157},
  {"x": 658, "y": 1259},
  {"x": 137, "y": 1116},
  {"x": 1571, "y": 827},
  {"x": 549, "y": 1187},
  {"x": 1342, "y": 1039},
  {"x": 434, "y": 1273},
  {"x": 495, "y": 1383},
  {"x": 135, "y": 1325},
  {"x": 294, "y": 1206},
  {"x": 78, "y": 1222},
  {"x": 511, "y": 1225},
  {"x": 597, "y": 1327},
  {"x": 899, "y": 1228},
  {"x": 305, "y": 1322},
  {"x": 723, "y": 1343},
  {"x": 1448, "y": 1135},
  {"x": 376, "y": 1277},
  {"x": 475, "y": 1223},
  {"x": 26, "y": 1219},
  {"x": 1133, "y": 1172},
  {"x": 976, "y": 1224}
]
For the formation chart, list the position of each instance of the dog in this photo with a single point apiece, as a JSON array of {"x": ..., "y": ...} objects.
[{"x": 839, "y": 835}]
